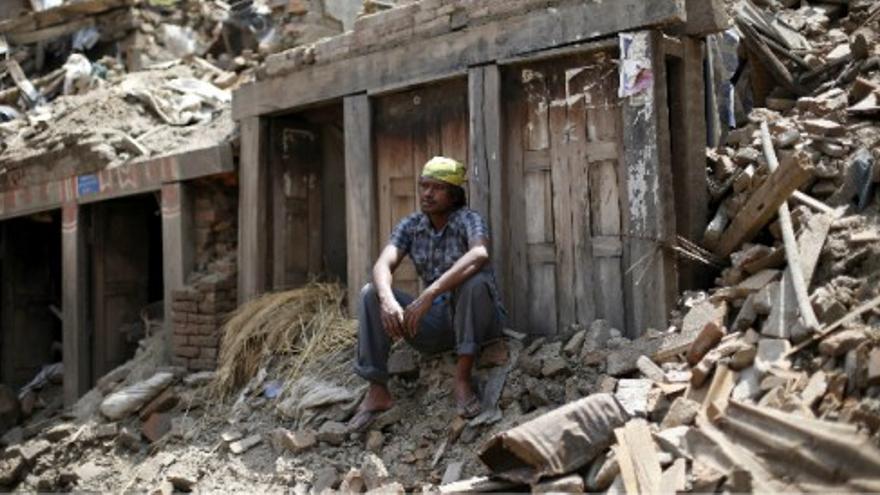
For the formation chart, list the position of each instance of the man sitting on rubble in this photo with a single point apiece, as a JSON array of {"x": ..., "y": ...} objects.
[{"x": 459, "y": 308}]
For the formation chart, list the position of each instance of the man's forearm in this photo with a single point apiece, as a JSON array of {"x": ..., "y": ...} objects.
[
  {"x": 463, "y": 269},
  {"x": 382, "y": 280}
]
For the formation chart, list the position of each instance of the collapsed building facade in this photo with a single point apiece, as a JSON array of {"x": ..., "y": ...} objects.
[
  {"x": 119, "y": 185},
  {"x": 584, "y": 145}
]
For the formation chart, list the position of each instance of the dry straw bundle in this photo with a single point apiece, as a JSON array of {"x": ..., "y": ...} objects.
[{"x": 299, "y": 329}]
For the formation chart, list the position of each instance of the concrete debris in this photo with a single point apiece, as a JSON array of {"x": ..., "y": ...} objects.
[
  {"x": 245, "y": 444},
  {"x": 130, "y": 399}
]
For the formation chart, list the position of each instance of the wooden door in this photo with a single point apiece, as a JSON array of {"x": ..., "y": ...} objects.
[
  {"x": 120, "y": 267},
  {"x": 409, "y": 129},
  {"x": 564, "y": 187},
  {"x": 297, "y": 207}
]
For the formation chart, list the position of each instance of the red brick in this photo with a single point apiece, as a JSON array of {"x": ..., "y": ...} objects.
[
  {"x": 187, "y": 294},
  {"x": 206, "y": 329},
  {"x": 180, "y": 361},
  {"x": 187, "y": 329},
  {"x": 201, "y": 319},
  {"x": 187, "y": 351},
  {"x": 204, "y": 340},
  {"x": 156, "y": 426},
  {"x": 202, "y": 364},
  {"x": 208, "y": 353},
  {"x": 206, "y": 217},
  {"x": 178, "y": 340},
  {"x": 161, "y": 403},
  {"x": 179, "y": 317},
  {"x": 184, "y": 306}
]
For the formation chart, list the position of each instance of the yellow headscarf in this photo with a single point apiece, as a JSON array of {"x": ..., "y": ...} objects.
[{"x": 446, "y": 170}]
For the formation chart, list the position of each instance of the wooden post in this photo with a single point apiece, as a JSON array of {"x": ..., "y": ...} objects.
[
  {"x": 689, "y": 164},
  {"x": 253, "y": 221},
  {"x": 74, "y": 276},
  {"x": 360, "y": 198},
  {"x": 177, "y": 239},
  {"x": 484, "y": 171},
  {"x": 649, "y": 216}
]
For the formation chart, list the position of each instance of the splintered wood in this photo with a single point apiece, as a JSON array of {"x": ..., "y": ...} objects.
[
  {"x": 764, "y": 203},
  {"x": 637, "y": 456}
]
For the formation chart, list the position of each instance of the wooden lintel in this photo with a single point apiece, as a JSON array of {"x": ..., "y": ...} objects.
[
  {"x": 30, "y": 37},
  {"x": 132, "y": 178},
  {"x": 455, "y": 51},
  {"x": 673, "y": 47}
]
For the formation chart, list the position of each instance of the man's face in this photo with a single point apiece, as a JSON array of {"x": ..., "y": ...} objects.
[{"x": 434, "y": 196}]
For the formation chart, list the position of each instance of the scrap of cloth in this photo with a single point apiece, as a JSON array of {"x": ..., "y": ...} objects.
[
  {"x": 445, "y": 169},
  {"x": 433, "y": 252}
]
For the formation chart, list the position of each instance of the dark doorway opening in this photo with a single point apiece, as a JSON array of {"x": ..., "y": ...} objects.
[{"x": 30, "y": 296}]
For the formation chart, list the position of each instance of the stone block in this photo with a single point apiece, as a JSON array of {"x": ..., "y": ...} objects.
[{"x": 682, "y": 412}]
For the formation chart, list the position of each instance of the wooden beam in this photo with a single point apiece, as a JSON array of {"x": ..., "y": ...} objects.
[
  {"x": 485, "y": 179},
  {"x": 253, "y": 204},
  {"x": 648, "y": 211},
  {"x": 360, "y": 201},
  {"x": 74, "y": 276},
  {"x": 420, "y": 59},
  {"x": 764, "y": 203},
  {"x": 177, "y": 239},
  {"x": 794, "y": 273},
  {"x": 132, "y": 178},
  {"x": 689, "y": 159},
  {"x": 637, "y": 458},
  {"x": 25, "y": 38}
]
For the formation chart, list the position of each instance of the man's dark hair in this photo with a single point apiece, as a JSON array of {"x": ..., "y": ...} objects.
[{"x": 459, "y": 199}]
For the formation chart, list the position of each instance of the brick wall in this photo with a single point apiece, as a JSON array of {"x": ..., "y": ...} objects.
[
  {"x": 199, "y": 310},
  {"x": 397, "y": 26}
]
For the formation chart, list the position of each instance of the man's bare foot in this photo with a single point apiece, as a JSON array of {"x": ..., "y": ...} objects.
[
  {"x": 378, "y": 398},
  {"x": 466, "y": 401}
]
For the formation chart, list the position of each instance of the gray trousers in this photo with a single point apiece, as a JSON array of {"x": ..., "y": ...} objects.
[{"x": 463, "y": 323}]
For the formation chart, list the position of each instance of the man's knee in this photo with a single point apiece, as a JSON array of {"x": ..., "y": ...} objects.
[
  {"x": 368, "y": 291},
  {"x": 476, "y": 283}
]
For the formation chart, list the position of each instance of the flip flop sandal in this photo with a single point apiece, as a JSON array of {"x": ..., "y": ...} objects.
[{"x": 470, "y": 409}]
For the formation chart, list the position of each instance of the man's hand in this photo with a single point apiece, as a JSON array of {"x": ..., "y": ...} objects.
[
  {"x": 415, "y": 311},
  {"x": 392, "y": 317}
]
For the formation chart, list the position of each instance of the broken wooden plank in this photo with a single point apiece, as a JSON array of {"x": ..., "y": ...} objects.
[
  {"x": 24, "y": 84},
  {"x": 795, "y": 271},
  {"x": 719, "y": 390},
  {"x": 674, "y": 479},
  {"x": 815, "y": 455},
  {"x": 50, "y": 33},
  {"x": 837, "y": 325},
  {"x": 637, "y": 457},
  {"x": 479, "y": 484},
  {"x": 764, "y": 203}
]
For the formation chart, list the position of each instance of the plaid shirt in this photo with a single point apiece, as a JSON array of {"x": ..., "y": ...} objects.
[{"x": 434, "y": 252}]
